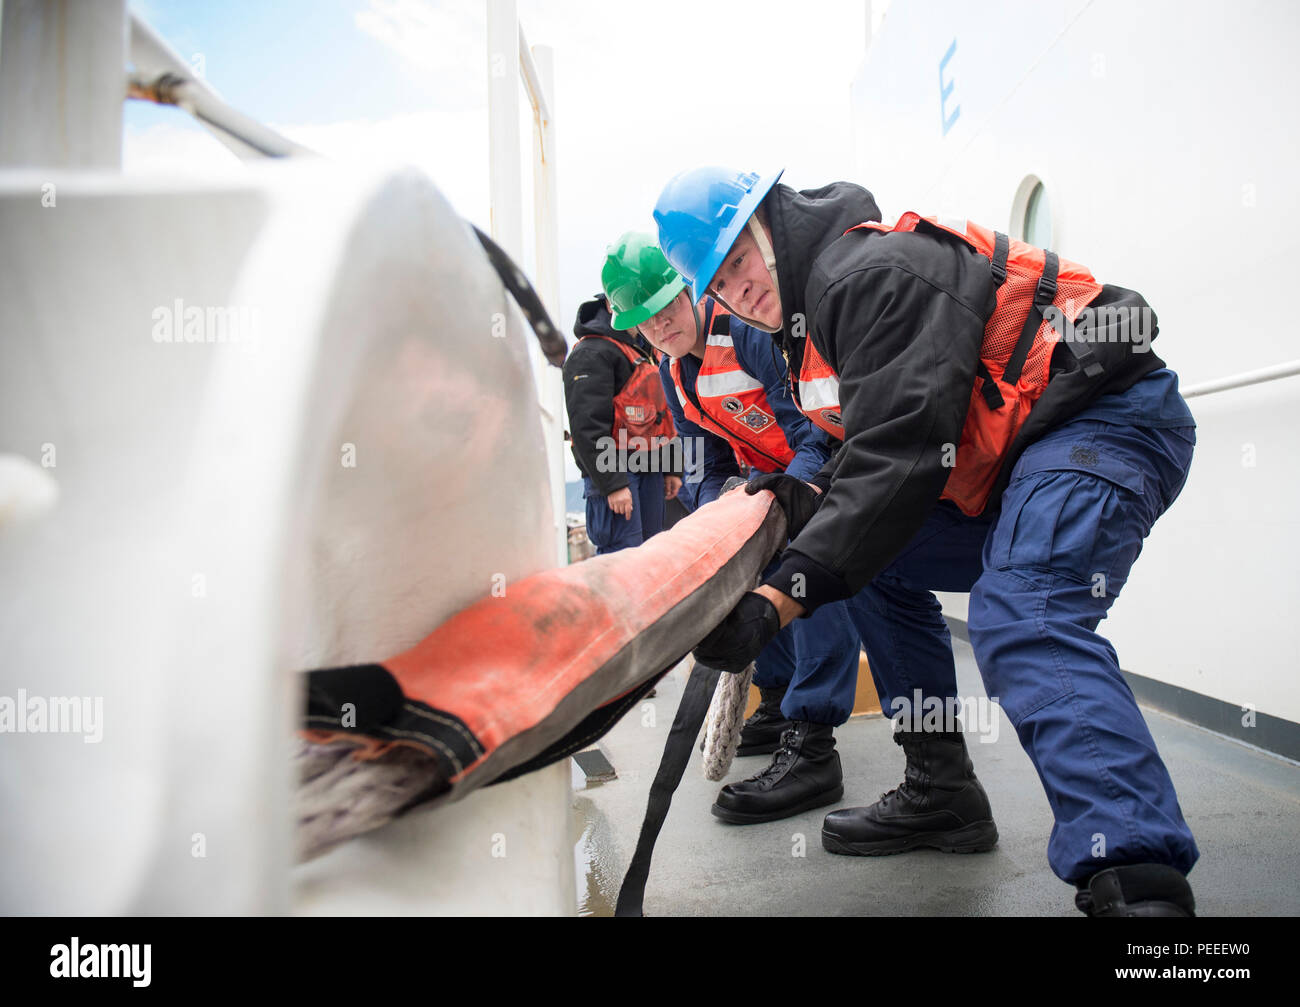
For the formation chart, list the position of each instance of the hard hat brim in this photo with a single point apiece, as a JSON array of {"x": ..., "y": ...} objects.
[{"x": 630, "y": 319}]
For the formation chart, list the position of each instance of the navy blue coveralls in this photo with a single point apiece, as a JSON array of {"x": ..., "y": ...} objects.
[
  {"x": 610, "y": 532},
  {"x": 814, "y": 659},
  {"x": 1042, "y": 573}
]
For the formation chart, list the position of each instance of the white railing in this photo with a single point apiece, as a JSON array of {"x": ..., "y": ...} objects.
[
  {"x": 1287, "y": 370},
  {"x": 162, "y": 76}
]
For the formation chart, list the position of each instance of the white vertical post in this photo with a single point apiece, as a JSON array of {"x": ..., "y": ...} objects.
[
  {"x": 62, "y": 83},
  {"x": 505, "y": 178},
  {"x": 545, "y": 217},
  {"x": 543, "y": 795},
  {"x": 544, "y": 179}
]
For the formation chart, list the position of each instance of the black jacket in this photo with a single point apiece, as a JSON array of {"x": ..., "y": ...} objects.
[
  {"x": 594, "y": 372},
  {"x": 900, "y": 317}
]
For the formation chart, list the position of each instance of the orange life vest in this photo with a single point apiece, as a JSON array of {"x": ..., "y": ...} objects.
[
  {"x": 731, "y": 402},
  {"x": 1017, "y": 348},
  {"x": 640, "y": 408}
]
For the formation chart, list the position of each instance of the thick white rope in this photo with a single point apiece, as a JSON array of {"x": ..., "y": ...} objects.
[
  {"x": 339, "y": 797},
  {"x": 724, "y": 722}
]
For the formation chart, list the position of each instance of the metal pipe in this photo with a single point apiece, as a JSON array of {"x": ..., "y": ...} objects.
[
  {"x": 1287, "y": 370},
  {"x": 537, "y": 88},
  {"x": 161, "y": 76},
  {"x": 245, "y": 136},
  {"x": 150, "y": 53}
]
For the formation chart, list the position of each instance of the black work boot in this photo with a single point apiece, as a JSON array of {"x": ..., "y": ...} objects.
[
  {"x": 940, "y": 804},
  {"x": 762, "y": 732},
  {"x": 804, "y": 773},
  {"x": 1136, "y": 890}
]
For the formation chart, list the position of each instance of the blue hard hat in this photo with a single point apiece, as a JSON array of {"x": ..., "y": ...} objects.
[{"x": 701, "y": 212}]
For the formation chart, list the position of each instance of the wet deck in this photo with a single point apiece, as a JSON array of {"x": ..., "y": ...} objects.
[{"x": 1243, "y": 806}]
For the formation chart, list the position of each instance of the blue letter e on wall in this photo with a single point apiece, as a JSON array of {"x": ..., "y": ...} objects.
[{"x": 945, "y": 91}]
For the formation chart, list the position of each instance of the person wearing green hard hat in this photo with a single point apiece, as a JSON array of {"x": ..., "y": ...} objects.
[
  {"x": 730, "y": 399},
  {"x": 648, "y": 298},
  {"x": 1003, "y": 434}
]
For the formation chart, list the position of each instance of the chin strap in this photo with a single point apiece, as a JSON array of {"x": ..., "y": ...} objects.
[
  {"x": 764, "y": 248},
  {"x": 769, "y": 260}
]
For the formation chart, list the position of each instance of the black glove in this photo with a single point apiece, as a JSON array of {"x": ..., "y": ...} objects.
[
  {"x": 799, "y": 500},
  {"x": 737, "y": 640}
]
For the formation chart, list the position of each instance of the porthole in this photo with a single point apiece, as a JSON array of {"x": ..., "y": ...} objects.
[{"x": 1031, "y": 214}]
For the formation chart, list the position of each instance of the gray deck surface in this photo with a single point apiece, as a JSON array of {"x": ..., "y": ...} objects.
[{"x": 1243, "y": 806}]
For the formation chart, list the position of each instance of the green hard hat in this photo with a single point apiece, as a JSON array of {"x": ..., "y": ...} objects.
[{"x": 637, "y": 279}]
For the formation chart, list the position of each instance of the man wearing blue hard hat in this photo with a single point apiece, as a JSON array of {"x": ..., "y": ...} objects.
[{"x": 999, "y": 436}]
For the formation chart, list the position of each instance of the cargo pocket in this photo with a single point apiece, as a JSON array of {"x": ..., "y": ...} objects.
[{"x": 1073, "y": 508}]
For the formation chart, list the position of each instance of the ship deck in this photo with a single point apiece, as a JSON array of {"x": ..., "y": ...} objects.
[{"x": 1243, "y": 805}]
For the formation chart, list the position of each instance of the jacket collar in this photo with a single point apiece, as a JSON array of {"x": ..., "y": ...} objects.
[{"x": 803, "y": 225}]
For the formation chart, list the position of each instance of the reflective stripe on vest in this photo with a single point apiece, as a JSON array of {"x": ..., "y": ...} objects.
[
  {"x": 733, "y": 404},
  {"x": 1015, "y": 356},
  {"x": 720, "y": 373}
]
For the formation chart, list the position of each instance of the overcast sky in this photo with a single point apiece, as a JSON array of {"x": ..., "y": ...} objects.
[{"x": 644, "y": 90}]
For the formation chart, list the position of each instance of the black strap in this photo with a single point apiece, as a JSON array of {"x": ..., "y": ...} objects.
[
  {"x": 553, "y": 345},
  {"x": 1044, "y": 294},
  {"x": 689, "y": 386},
  {"x": 373, "y": 693},
  {"x": 1001, "y": 249},
  {"x": 715, "y": 323},
  {"x": 992, "y": 394},
  {"x": 677, "y": 753},
  {"x": 1081, "y": 347},
  {"x": 998, "y": 265}
]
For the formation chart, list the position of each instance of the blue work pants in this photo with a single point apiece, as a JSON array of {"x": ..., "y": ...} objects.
[{"x": 1042, "y": 573}]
